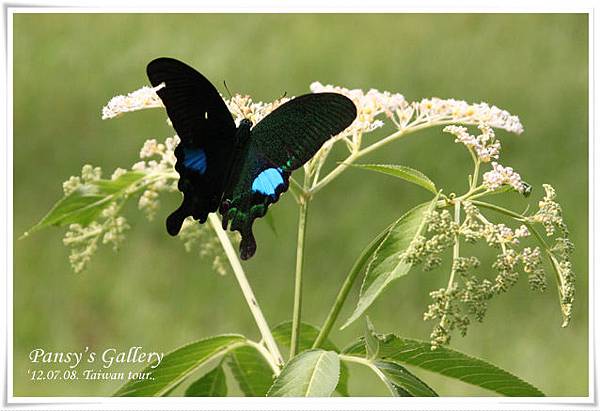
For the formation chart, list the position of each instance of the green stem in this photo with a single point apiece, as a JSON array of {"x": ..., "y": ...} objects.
[
  {"x": 373, "y": 367},
  {"x": 357, "y": 154},
  {"x": 455, "y": 256},
  {"x": 266, "y": 355},
  {"x": 242, "y": 280},
  {"x": 475, "y": 176},
  {"x": 499, "y": 209},
  {"x": 297, "y": 313},
  {"x": 345, "y": 290}
]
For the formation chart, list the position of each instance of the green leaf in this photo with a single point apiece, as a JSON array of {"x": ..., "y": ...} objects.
[
  {"x": 387, "y": 263},
  {"x": 179, "y": 364},
  {"x": 270, "y": 219},
  {"x": 406, "y": 173},
  {"x": 85, "y": 204},
  {"x": 312, "y": 373},
  {"x": 308, "y": 334},
  {"x": 211, "y": 384},
  {"x": 451, "y": 363},
  {"x": 406, "y": 383},
  {"x": 251, "y": 371},
  {"x": 371, "y": 341}
]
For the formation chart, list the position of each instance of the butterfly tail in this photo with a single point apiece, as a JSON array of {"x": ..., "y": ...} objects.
[
  {"x": 175, "y": 220},
  {"x": 247, "y": 245}
]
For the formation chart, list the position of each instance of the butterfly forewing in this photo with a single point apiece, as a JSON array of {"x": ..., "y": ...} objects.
[
  {"x": 206, "y": 130},
  {"x": 281, "y": 142},
  {"x": 295, "y": 131}
]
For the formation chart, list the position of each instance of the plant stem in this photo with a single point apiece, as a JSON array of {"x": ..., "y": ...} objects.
[
  {"x": 297, "y": 313},
  {"x": 373, "y": 367},
  {"x": 357, "y": 154},
  {"x": 266, "y": 355},
  {"x": 345, "y": 290},
  {"x": 499, "y": 209},
  {"x": 455, "y": 256},
  {"x": 240, "y": 276}
]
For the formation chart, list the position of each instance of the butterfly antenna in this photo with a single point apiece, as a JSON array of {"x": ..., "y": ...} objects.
[
  {"x": 227, "y": 88},
  {"x": 231, "y": 97}
]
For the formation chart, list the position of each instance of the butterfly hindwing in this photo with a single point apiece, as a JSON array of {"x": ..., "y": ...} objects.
[
  {"x": 258, "y": 183},
  {"x": 282, "y": 142},
  {"x": 206, "y": 130}
]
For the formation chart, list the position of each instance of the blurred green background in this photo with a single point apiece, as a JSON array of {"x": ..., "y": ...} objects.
[{"x": 152, "y": 293}]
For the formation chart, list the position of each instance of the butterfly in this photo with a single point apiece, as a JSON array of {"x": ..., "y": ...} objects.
[{"x": 239, "y": 171}]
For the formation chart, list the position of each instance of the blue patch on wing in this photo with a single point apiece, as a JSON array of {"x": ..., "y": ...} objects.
[
  {"x": 268, "y": 181},
  {"x": 195, "y": 158}
]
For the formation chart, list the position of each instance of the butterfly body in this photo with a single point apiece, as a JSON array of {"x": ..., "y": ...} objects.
[{"x": 239, "y": 171}]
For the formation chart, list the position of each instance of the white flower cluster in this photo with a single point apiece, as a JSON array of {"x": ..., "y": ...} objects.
[
  {"x": 83, "y": 242},
  {"x": 165, "y": 151},
  {"x": 243, "y": 107},
  {"x": 109, "y": 226},
  {"x": 485, "y": 145},
  {"x": 458, "y": 111},
  {"x": 149, "y": 202},
  {"x": 500, "y": 176},
  {"x": 142, "y": 98},
  {"x": 88, "y": 174}
]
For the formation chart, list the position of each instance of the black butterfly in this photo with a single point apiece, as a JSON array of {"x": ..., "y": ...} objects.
[{"x": 239, "y": 171}]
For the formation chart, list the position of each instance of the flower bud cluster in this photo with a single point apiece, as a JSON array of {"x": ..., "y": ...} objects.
[
  {"x": 468, "y": 294},
  {"x": 83, "y": 240},
  {"x": 465, "y": 298},
  {"x": 158, "y": 161},
  {"x": 441, "y": 231},
  {"x": 533, "y": 266},
  {"x": 549, "y": 215},
  {"x": 88, "y": 175}
]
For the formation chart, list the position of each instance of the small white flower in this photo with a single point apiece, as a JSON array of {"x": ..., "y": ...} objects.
[
  {"x": 522, "y": 231},
  {"x": 149, "y": 149},
  {"x": 71, "y": 184},
  {"x": 149, "y": 203},
  {"x": 89, "y": 173},
  {"x": 243, "y": 107},
  {"x": 118, "y": 173},
  {"x": 139, "y": 166}
]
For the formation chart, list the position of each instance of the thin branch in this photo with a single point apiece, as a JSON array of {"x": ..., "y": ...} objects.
[
  {"x": 240, "y": 276},
  {"x": 297, "y": 311}
]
